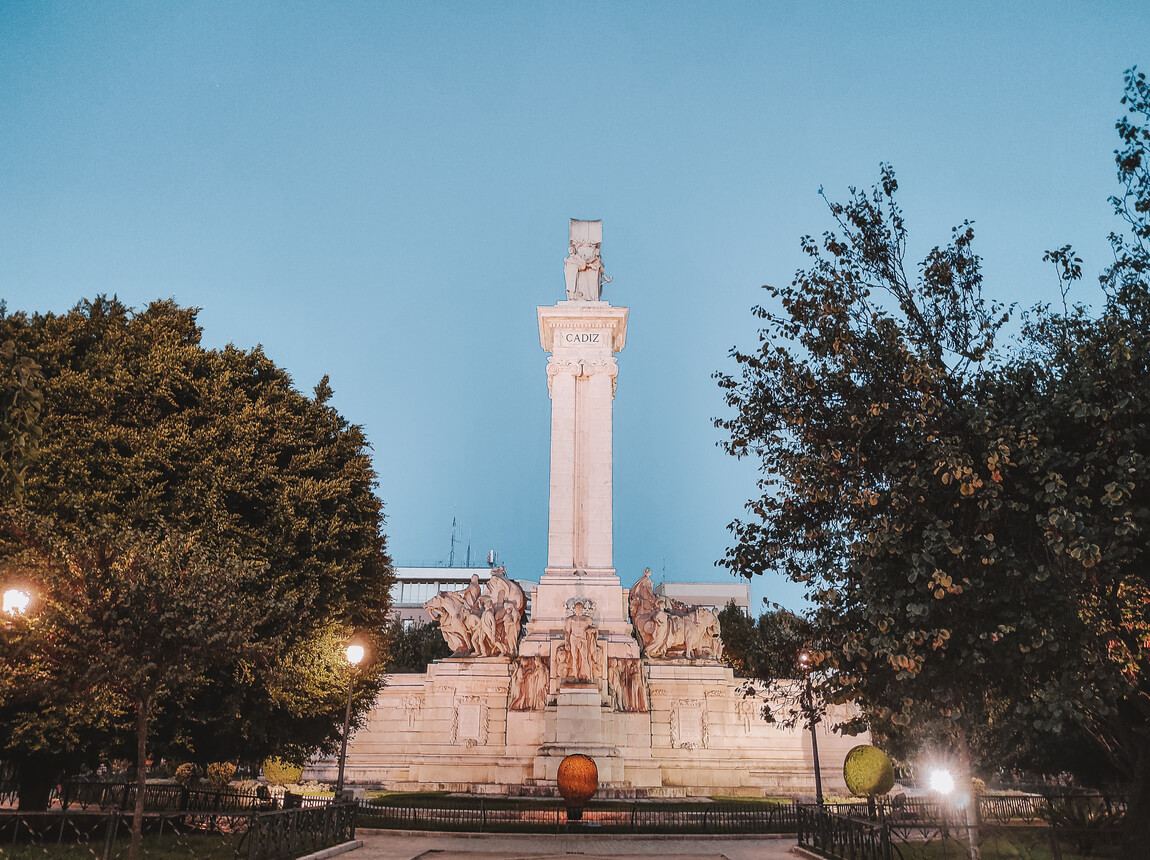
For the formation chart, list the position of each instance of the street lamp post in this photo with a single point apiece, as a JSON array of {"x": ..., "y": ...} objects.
[
  {"x": 812, "y": 722},
  {"x": 354, "y": 654}
]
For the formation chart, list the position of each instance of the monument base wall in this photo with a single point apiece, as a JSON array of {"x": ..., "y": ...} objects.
[{"x": 451, "y": 730}]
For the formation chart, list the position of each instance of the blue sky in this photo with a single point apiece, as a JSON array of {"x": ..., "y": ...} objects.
[{"x": 380, "y": 192}]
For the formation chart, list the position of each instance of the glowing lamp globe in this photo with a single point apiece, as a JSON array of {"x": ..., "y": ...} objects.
[
  {"x": 578, "y": 780},
  {"x": 941, "y": 781},
  {"x": 16, "y": 601}
]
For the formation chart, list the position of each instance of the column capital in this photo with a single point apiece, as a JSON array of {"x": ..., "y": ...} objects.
[
  {"x": 581, "y": 369},
  {"x": 556, "y": 366}
]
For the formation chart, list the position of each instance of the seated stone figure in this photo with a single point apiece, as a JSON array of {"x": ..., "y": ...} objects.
[{"x": 667, "y": 628}]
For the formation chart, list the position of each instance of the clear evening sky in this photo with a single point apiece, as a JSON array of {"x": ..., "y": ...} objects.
[{"x": 380, "y": 192}]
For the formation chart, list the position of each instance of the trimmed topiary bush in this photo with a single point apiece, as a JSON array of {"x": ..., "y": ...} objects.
[
  {"x": 220, "y": 773},
  {"x": 186, "y": 774},
  {"x": 868, "y": 771},
  {"x": 280, "y": 772}
]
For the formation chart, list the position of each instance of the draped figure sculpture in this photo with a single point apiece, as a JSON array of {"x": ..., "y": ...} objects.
[
  {"x": 667, "y": 628},
  {"x": 479, "y": 622},
  {"x": 582, "y": 638},
  {"x": 583, "y": 269}
]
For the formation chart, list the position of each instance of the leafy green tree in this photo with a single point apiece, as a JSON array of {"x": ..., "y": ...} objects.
[
  {"x": 970, "y": 524},
  {"x": 144, "y": 428},
  {"x": 136, "y": 618},
  {"x": 767, "y": 648},
  {"x": 1083, "y": 392},
  {"x": 411, "y": 649},
  {"x": 20, "y": 430}
]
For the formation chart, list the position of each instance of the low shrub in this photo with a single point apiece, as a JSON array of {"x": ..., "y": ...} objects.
[
  {"x": 187, "y": 773},
  {"x": 280, "y": 772},
  {"x": 220, "y": 773},
  {"x": 868, "y": 771}
]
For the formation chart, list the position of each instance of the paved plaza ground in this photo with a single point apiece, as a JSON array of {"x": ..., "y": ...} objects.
[{"x": 408, "y": 845}]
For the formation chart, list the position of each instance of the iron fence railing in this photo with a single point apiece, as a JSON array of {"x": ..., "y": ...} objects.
[
  {"x": 834, "y": 834},
  {"x": 221, "y": 835},
  {"x": 479, "y": 814},
  {"x": 294, "y": 832},
  {"x": 1002, "y": 809},
  {"x": 122, "y": 795},
  {"x": 840, "y": 836}
]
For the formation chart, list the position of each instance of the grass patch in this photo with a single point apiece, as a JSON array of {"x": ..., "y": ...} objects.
[
  {"x": 1013, "y": 843},
  {"x": 773, "y": 801}
]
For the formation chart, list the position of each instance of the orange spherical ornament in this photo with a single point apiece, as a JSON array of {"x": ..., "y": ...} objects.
[{"x": 578, "y": 779}]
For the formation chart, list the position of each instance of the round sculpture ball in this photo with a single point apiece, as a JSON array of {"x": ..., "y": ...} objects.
[
  {"x": 578, "y": 779},
  {"x": 868, "y": 771}
]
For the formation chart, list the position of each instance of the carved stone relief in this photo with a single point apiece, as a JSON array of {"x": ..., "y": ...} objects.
[
  {"x": 481, "y": 623},
  {"x": 470, "y": 722},
  {"x": 667, "y": 628},
  {"x": 412, "y": 708},
  {"x": 689, "y": 729},
  {"x": 530, "y": 678},
  {"x": 626, "y": 686}
]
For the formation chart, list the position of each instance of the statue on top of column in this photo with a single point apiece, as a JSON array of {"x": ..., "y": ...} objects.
[{"x": 583, "y": 269}]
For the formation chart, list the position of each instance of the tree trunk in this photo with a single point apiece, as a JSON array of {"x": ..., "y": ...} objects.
[
  {"x": 964, "y": 784},
  {"x": 1137, "y": 821},
  {"x": 37, "y": 774},
  {"x": 135, "y": 848}
]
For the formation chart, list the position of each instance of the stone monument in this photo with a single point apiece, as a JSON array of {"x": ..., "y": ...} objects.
[{"x": 630, "y": 678}]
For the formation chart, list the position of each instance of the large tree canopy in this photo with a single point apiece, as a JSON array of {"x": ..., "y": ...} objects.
[
  {"x": 143, "y": 429},
  {"x": 969, "y": 512}
]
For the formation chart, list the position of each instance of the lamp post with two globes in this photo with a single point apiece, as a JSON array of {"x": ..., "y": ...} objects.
[{"x": 354, "y": 654}]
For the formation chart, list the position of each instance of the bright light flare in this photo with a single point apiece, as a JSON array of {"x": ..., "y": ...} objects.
[
  {"x": 941, "y": 781},
  {"x": 354, "y": 654},
  {"x": 16, "y": 601}
]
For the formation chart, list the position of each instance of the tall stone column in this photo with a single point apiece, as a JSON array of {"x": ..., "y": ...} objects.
[
  {"x": 582, "y": 335},
  {"x": 582, "y": 338},
  {"x": 579, "y": 590}
]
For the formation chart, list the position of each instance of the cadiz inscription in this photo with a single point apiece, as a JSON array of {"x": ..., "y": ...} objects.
[{"x": 581, "y": 337}]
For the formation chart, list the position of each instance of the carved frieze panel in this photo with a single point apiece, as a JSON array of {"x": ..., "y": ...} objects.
[
  {"x": 530, "y": 680},
  {"x": 689, "y": 729},
  {"x": 412, "y": 709},
  {"x": 470, "y": 722}
]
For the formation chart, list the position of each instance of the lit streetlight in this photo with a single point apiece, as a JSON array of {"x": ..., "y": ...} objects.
[
  {"x": 354, "y": 654},
  {"x": 941, "y": 781},
  {"x": 808, "y": 704},
  {"x": 16, "y": 601}
]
